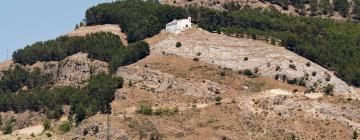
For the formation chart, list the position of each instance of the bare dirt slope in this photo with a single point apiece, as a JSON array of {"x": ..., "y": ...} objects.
[
  {"x": 115, "y": 29},
  {"x": 251, "y": 108},
  {"x": 241, "y": 54}
]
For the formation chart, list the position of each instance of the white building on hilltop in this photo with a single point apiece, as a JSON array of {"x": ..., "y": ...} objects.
[{"x": 176, "y": 26}]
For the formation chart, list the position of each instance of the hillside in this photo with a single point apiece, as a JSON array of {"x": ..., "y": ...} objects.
[
  {"x": 331, "y": 44},
  {"x": 240, "y": 54},
  {"x": 257, "y": 108},
  {"x": 310, "y": 8},
  {"x": 242, "y": 74}
]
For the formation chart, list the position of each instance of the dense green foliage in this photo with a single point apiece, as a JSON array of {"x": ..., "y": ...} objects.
[
  {"x": 94, "y": 97},
  {"x": 101, "y": 46},
  {"x": 342, "y": 6},
  {"x": 98, "y": 45},
  {"x": 16, "y": 78},
  {"x": 132, "y": 53},
  {"x": 138, "y": 19}
]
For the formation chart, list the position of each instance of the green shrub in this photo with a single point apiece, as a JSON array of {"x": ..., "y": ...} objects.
[
  {"x": 327, "y": 77},
  {"x": 328, "y": 89},
  {"x": 313, "y": 73},
  {"x": 85, "y": 131},
  {"x": 292, "y": 81},
  {"x": 145, "y": 109},
  {"x": 48, "y": 134},
  {"x": 248, "y": 72},
  {"x": 166, "y": 111},
  {"x": 218, "y": 100},
  {"x": 292, "y": 66},
  {"x": 65, "y": 127},
  {"x": 8, "y": 127},
  {"x": 178, "y": 44},
  {"x": 47, "y": 124},
  {"x": 273, "y": 42}
]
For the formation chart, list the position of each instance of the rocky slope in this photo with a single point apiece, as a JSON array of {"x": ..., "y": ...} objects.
[
  {"x": 240, "y": 54},
  {"x": 72, "y": 70},
  {"x": 251, "y": 108}
]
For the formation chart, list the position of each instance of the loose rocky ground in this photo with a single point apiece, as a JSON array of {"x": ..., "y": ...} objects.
[
  {"x": 251, "y": 108},
  {"x": 241, "y": 54}
]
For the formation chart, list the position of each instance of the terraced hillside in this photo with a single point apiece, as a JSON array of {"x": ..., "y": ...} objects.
[{"x": 241, "y": 54}]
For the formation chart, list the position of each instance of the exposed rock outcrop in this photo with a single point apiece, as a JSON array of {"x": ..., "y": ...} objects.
[
  {"x": 158, "y": 82},
  {"x": 72, "y": 70}
]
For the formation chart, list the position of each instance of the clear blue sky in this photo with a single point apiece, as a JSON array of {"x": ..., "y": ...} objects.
[{"x": 24, "y": 22}]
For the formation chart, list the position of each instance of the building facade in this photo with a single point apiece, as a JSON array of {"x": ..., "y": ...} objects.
[{"x": 177, "y": 26}]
